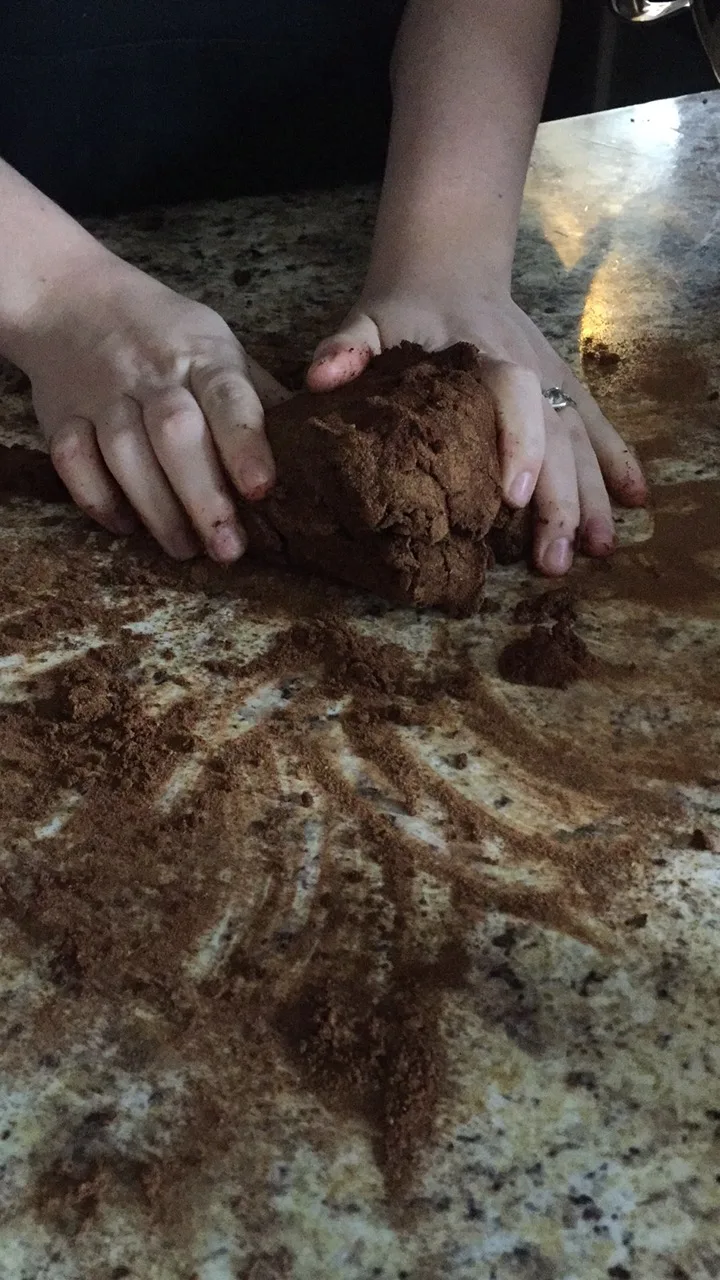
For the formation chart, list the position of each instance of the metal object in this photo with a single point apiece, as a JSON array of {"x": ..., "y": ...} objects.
[
  {"x": 706, "y": 15},
  {"x": 648, "y": 10},
  {"x": 557, "y": 399}
]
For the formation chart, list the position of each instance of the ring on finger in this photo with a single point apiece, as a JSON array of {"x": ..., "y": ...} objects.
[{"x": 558, "y": 399}]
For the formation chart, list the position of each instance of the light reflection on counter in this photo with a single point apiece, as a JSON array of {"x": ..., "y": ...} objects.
[{"x": 642, "y": 149}]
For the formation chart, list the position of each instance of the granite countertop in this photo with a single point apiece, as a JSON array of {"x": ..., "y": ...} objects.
[{"x": 577, "y": 1136}]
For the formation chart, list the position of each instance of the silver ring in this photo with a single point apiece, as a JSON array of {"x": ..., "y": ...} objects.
[{"x": 557, "y": 399}]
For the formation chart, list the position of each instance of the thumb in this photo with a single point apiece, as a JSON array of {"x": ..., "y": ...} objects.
[{"x": 344, "y": 356}]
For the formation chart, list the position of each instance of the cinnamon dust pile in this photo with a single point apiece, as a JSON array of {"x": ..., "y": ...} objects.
[{"x": 551, "y": 657}]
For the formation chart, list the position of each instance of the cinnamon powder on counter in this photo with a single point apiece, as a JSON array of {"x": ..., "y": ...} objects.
[
  {"x": 118, "y": 898},
  {"x": 346, "y": 1001}
]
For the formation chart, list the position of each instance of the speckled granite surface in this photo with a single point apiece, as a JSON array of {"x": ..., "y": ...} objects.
[{"x": 580, "y": 1136}]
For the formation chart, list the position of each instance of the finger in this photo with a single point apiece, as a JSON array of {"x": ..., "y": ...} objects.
[
  {"x": 79, "y": 463},
  {"x": 129, "y": 457},
  {"x": 344, "y": 356},
  {"x": 557, "y": 500},
  {"x": 182, "y": 443},
  {"x": 270, "y": 391},
  {"x": 597, "y": 530},
  {"x": 521, "y": 424},
  {"x": 621, "y": 469},
  {"x": 234, "y": 414}
]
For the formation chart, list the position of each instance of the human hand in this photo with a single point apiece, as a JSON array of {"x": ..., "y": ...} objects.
[
  {"x": 150, "y": 406},
  {"x": 569, "y": 460}
]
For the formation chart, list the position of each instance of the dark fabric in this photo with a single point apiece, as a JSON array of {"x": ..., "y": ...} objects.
[
  {"x": 114, "y": 104},
  {"x": 572, "y": 82},
  {"x": 664, "y": 60},
  {"x": 111, "y": 104}
]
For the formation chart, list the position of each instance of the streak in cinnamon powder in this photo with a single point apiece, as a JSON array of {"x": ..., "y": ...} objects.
[{"x": 191, "y": 810}]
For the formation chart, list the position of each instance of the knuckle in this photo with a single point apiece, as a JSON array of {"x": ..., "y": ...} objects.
[
  {"x": 110, "y": 445},
  {"x": 168, "y": 428},
  {"x": 578, "y": 434},
  {"x": 68, "y": 446},
  {"x": 597, "y": 505},
  {"x": 567, "y": 520},
  {"x": 524, "y": 372},
  {"x": 111, "y": 436},
  {"x": 245, "y": 428},
  {"x": 526, "y": 444},
  {"x": 221, "y": 514},
  {"x": 173, "y": 425},
  {"x": 221, "y": 388},
  {"x": 562, "y": 513},
  {"x": 163, "y": 403}
]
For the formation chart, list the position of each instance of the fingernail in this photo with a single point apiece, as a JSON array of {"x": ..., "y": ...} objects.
[
  {"x": 599, "y": 536},
  {"x": 226, "y": 544},
  {"x": 558, "y": 557},
  {"x": 521, "y": 489},
  {"x": 256, "y": 481}
]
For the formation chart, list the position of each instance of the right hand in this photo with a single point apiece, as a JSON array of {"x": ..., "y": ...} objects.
[
  {"x": 151, "y": 408},
  {"x": 568, "y": 463}
]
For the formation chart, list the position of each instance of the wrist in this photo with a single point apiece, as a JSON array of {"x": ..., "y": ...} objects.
[
  {"x": 447, "y": 232},
  {"x": 435, "y": 251},
  {"x": 33, "y": 296}
]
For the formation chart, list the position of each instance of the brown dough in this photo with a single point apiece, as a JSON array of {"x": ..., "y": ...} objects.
[{"x": 391, "y": 483}]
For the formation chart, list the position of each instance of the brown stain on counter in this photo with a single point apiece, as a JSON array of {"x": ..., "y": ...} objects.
[
  {"x": 677, "y": 571},
  {"x": 664, "y": 371}
]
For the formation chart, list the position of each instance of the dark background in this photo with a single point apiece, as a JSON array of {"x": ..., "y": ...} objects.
[
  {"x": 602, "y": 62},
  {"x": 109, "y": 106}
]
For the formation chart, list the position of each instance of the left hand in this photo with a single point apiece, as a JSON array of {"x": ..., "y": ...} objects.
[{"x": 570, "y": 460}]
